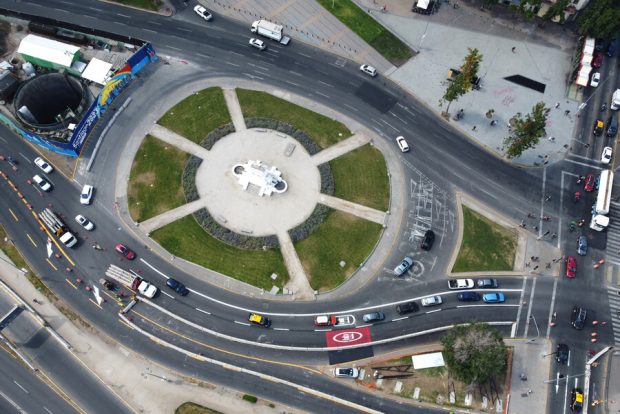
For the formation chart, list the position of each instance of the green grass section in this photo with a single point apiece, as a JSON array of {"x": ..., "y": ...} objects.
[
  {"x": 485, "y": 246},
  {"x": 142, "y": 4},
  {"x": 186, "y": 239},
  {"x": 193, "y": 408},
  {"x": 198, "y": 114},
  {"x": 324, "y": 131},
  {"x": 155, "y": 179},
  {"x": 361, "y": 176},
  {"x": 341, "y": 237},
  {"x": 377, "y": 36},
  {"x": 11, "y": 251}
]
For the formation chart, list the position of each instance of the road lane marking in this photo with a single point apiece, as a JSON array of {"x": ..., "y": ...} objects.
[
  {"x": 242, "y": 323},
  {"x": 400, "y": 319},
  {"x": 51, "y": 264},
  {"x": 583, "y": 164},
  {"x": 281, "y": 329},
  {"x": 167, "y": 294},
  {"x": 19, "y": 385},
  {"x": 203, "y": 311},
  {"x": 529, "y": 309},
  {"x": 322, "y": 94},
  {"x": 520, "y": 305},
  {"x": 31, "y": 241},
  {"x": 71, "y": 283},
  {"x": 433, "y": 311},
  {"x": 555, "y": 285},
  {"x": 399, "y": 118},
  {"x": 13, "y": 214},
  {"x": 95, "y": 303}
]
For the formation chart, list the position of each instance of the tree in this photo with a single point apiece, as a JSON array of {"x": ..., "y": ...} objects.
[
  {"x": 462, "y": 83},
  {"x": 600, "y": 19},
  {"x": 474, "y": 353},
  {"x": 529, "y": 8},
  {"x": 526, "y": 132},
  {"x": 557, "y": 9}
]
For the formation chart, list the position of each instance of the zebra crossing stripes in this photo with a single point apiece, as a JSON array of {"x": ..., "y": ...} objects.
[
  {"x": 613, "y": 234},
  {"x": 614, "y": 307}
]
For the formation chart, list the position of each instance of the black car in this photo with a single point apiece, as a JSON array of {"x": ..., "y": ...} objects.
[
  {"x": 468, "y": 296},
  {"x": 408, "y": 307},
  {"x": 487, "y": 283},
  {"x": 177, "y": 286},
  {"x": 578, "y": 317},
  {"x": 561, "y": 353},
  {"x": 429, "y": 238}
]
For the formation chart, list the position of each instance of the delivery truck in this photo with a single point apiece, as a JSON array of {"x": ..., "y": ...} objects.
[
  {"x": 58, "y": 227},
  {"x": 131, "y": 280},
  {"x": 271, "y": 30}
]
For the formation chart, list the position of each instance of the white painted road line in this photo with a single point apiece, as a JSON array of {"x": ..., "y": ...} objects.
[
  {"x": 400, "y": 319},
  {"x": 555, "y": 285},
  {"x": 583, "y": 164},
  {"x": 167, "y": 294},
  {"x": 520, "y": 305},
  {"x": 203, "y": 311},
  {"x": 281, "y": 329},
  {"x": 529, "y": 308},
  {"x": 242, "y": 323},
  {"x": 433, "y": 311}
]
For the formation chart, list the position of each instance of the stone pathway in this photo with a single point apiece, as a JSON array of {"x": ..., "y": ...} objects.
[
  {"x": 234, "y": 109},
  {"x": 298, "y": 282},
  {"x": 168, "y": 217},
  {"x": 358, "y": 210},
  {"x": 178, "y": 141},
  {"x": 340, "y": 148}
]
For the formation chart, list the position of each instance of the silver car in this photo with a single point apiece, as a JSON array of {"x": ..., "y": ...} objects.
[
  {"x": 431, "y": 301},
  {"x": 403, "y": 266},
  {"x": 582, "y": 246}
]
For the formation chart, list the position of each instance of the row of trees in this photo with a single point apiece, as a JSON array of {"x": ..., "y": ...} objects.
[{"x": 525, "y": 132}]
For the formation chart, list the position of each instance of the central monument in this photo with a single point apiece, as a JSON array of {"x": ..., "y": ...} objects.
[{"x": 267, "y": 178}]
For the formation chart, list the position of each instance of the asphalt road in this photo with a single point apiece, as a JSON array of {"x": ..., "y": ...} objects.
[
  {"x": 441, "y": 155},
  {"x": 22, "y": 391}
]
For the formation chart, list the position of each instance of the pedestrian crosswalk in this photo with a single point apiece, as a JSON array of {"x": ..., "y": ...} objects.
[
  {"x": 613, "y": 234},
  {"x": 614, "y": 307}
]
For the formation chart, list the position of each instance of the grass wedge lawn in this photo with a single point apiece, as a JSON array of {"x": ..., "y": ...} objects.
[
  {"x": 185, "y": 238},
  {"x": 197, "y": 115},
  {"x": 485, "y": 245},
  {"x": 323, "y": 130},
  {"x": 155, "y": 179}
]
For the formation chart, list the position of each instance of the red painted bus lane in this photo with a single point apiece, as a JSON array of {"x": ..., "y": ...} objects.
[{"x": 347, "y": 337}]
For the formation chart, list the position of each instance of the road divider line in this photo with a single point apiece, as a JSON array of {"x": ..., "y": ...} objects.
[
  {"x": 281, "y": 329},
  {"x": 400, "y": 319},
  {"x": 31, "y": 240},
  {"x": 95, "y": 303},
  {"x": 71, "y": 283},
  {"x": 550, "y": 318},
  {"x": 529, "y": 309},
  {"x": 433, "y": 311},
  {"x": 257, "y": 374},
  {"x": 13, "y": 214},
  {"x": 51, "y": 264},
  {"x": 203, "y": 311},
  {"x": 242, "y": 323},
  {"x": 520, "y": 305}
]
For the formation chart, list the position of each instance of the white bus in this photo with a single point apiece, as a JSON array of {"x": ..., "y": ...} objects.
[{"x": 603, "y": 199}]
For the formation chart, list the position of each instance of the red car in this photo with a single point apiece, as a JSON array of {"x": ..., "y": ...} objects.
[
  {"x": 571, "y": 267},
  {"x": 598, "y": 60},
  {"x": 125, "y": 251},
  {"x": 590, "y": 182}
]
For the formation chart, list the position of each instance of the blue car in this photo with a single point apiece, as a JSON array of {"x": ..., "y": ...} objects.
[
  {"x": 495, "y": 297},
  {"x": 177, "y": 286}
]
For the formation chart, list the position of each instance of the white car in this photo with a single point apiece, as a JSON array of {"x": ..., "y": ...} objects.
[
  {"x": 431, "y": 301},
  {"x": 257, "y": 43},
  {"x": 43, "y": 165},
  {"x": 346, "y": 372},
  {"x": 42, "y": 183},
  {"x": 402, "y": 144},
  {"x": 596, "y": 79},
  {"x": 84, "y": 222},
  {"x": 369, "y": 70},
  {"x": 202, "y": 12},
  {"x": 87, "y": 194},
  {"x": 606, "y": 157}
]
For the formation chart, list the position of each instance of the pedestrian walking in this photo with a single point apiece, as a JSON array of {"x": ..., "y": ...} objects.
[
  {"x": 536, "y": 228},
  {"x": 548, "y": 266},
  {"x": 514, "y": 49},
  {"x": 536, "y": 267},
  {"x": 557, "y": 105},
  {"x": 532, "y": 258},
  {"x": 527, "y": 264},
  {"x": 553, "y": 236},
  {"x": 552, "y": 139},
  {"x": 566, "y": 112},
  {"x": 547, "y": 232},
  {"x": 474, "y": 128}
]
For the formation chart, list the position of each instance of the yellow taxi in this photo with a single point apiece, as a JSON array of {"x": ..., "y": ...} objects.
[{"x": 260, "y": 320}]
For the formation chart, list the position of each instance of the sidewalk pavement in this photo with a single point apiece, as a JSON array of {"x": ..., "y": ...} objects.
[
  {"x": 541, "y": 55},
  {"x": 136, "y": 380},
  {"x": 530, "y": 368},
  {"x": 613, "y": 384}
]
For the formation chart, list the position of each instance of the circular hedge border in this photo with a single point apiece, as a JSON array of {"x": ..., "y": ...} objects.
[{"x": 211, "y": 226}]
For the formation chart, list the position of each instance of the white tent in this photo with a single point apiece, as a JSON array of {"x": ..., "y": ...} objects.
[
  {"x": 47, "y": 49},
  {"x": 588, "y": 46},
  {"x": 97, "y": 71},
  {"x": 432, "y": 360}
]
